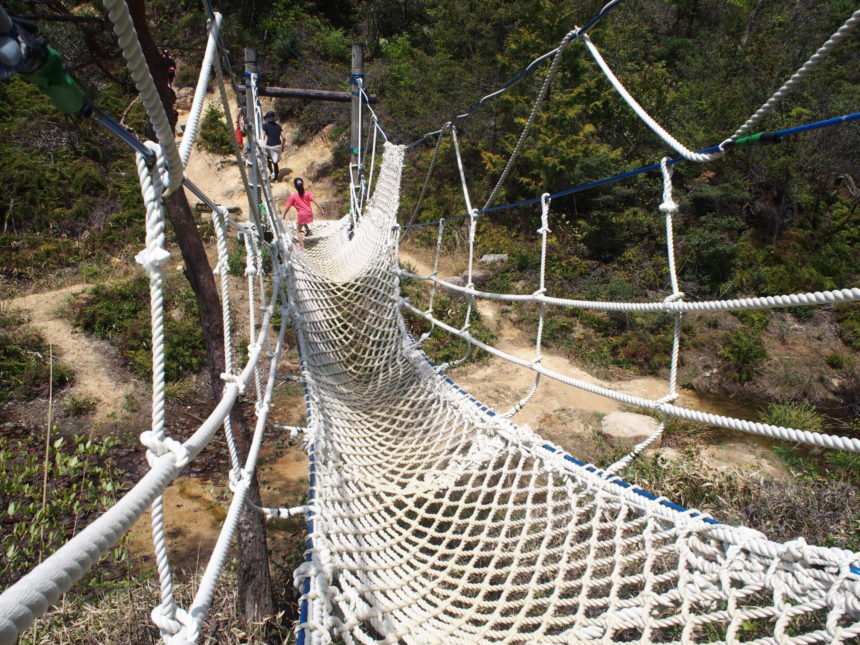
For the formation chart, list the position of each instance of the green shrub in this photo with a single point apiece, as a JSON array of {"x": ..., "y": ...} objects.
[
  {"x": 78, "y": 405},
  {"x": 236, "y": 259},
  {"x": 119, "y": 312},
  {"x": 836, "y": 361},
  {"x": 24, "y": 359},
  {"x": 745, "y": 352},
  {"x": 214, "y": 135},
  {"x": 800, "y": 416},
  {"x": 848, "y": 320},
  {"x": 334, "y": 44}
]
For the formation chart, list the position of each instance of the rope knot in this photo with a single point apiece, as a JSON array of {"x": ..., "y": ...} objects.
[
  {"x": 156, "y": 447},
  {"x": 153, "y": 260},
  {"x": 793, "y": 550},
  {"x": 166, "y": 618},
  {"x": 236, "y": 476},
  {"x": 236, "y": 380},
  {"x": 669, "y": 206},
  {"x": 662, "y": 402},
  {"x": 674, "y": 297}
]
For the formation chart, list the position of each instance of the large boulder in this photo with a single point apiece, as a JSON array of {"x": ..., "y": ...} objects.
[
  {"x": 319, "y": 170},
  {"x": 628, "y": 428},
  {"x": 184, "y": 98},
  {"x": 479, "y": 276},
  {"x": 494, "y": 258}
]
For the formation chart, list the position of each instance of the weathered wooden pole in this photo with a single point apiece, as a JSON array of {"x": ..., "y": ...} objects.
[
  {"x": 251, "y": 119},
  {"x": 355, "y": 136},
  {"x": 311, "y": 95},
  {"x": 357, "y": 73}
]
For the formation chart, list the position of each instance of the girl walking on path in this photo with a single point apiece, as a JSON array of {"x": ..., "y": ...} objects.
[{"x": 302, "y": 200}]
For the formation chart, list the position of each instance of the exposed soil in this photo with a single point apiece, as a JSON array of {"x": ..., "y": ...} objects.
[
  {"x": 99, "y": 374},
  {"x": 194, "y": 505}
]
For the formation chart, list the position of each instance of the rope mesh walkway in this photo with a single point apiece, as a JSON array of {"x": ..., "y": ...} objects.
[
  {"x": 432, "y": 519},
  {"x": 436, "y": 521}
]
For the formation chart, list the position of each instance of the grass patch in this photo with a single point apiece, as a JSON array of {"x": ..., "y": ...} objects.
[
  {"x": 82, "y": 484},
  {"x": 441, "y": 346},
  {"x": 24, "y": 359},
  {"x": 119, "y": 312}
]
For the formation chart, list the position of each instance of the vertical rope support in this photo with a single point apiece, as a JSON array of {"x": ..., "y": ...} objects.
[
  {"x": 470, "y": 299},
  {"x": 375, "y": 131},
  {"x": 668, "y": 207},
  {"x": 253, "y": 269},
  {"x": 433, "y": 282},
  {"x": 543, "y": 230},
  {"x": 152, "y": 259},
  {"x": 222, "y": 269},
  {"x": 429, "y": 175}
]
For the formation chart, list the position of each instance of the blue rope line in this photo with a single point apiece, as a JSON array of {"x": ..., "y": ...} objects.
[
  {"x": 776, "y": 136},
  {"x": 309, "y": 515},
  {"x": 525, "y": 72}
]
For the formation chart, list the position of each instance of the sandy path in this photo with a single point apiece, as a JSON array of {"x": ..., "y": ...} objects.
[
  {"x": 94, "y": 376},
  {"x": 222, "y": 182}
]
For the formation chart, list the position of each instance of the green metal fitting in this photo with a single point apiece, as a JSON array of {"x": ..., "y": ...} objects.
[{"x": 61, "y": 88}]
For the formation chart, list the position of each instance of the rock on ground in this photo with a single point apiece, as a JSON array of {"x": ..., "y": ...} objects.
[{"x": 628, "y": 427}]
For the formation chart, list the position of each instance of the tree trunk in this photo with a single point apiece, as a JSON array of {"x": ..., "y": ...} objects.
[{"x": 255, "y": 583}]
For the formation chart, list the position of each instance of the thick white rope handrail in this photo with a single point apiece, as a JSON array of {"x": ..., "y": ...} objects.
[
  {"x": 795, "y": 79},
  {"x": 189, "y": 135},
  {"x": 751, "y": 427},
  {"x": 668, "y": 139},
  {"x": 133, "y": 54},
  {"x": 835, "y": 296}
]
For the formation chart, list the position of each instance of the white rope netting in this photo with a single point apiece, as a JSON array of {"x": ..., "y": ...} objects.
[
  {"x": 432, "y": 519},
  {"x": 436, "y": 521}
]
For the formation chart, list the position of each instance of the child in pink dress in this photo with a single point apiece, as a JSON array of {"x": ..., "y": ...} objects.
[{"x": 301, "y": 200}]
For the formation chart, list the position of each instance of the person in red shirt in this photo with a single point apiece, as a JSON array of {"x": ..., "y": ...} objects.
[{"x": 302, "y": 200}]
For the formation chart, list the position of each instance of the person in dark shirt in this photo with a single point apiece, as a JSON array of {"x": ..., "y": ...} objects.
[
  {"x": 170, "y": 64},
  {"x": 275, "y": 143}
]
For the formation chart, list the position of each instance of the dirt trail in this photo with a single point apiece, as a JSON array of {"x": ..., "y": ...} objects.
[
  {"x": 559, "y": 412},
  {"x": 195, "y": 509},
  {"x": 96, "y": 374},
  {"x": 222, "y": 182}
]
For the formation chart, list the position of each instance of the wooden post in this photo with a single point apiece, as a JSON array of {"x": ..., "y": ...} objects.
[
  {"x": 355, "y": 136},
  {"x": 251, "y": 122}
]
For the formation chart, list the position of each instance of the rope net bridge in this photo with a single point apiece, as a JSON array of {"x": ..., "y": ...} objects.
[{"x": 433, "y": 519}]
